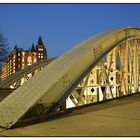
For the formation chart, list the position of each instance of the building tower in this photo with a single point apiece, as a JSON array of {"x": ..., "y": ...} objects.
[{"x": 41, "y": 50}]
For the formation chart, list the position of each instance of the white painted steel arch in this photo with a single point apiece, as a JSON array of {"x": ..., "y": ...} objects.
[{"x": 54, "y": 83}]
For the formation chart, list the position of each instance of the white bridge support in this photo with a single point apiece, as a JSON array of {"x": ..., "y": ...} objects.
[
  {"x": 136, "y": 66},
  {"x": 139, "y": 64},
  {"x": 48, "y": 90},
  {"x": 111, "y": 73}
]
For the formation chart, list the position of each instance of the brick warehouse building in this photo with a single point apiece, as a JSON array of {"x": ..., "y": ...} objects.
[{"x": 19, "y": 58}]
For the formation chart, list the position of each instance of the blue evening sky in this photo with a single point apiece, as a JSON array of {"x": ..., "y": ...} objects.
[{"x": 62, "y": 25}]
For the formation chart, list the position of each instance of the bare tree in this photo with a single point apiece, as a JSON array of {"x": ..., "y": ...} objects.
[{"x": 4, "y": 50}]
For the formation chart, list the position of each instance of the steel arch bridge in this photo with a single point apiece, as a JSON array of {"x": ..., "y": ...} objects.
[{"x": 102, "y": 67}]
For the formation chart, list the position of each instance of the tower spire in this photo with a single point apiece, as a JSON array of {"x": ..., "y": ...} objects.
[
  {"x": 33, "y": 47},
  {"x": 40, "y": 42}
]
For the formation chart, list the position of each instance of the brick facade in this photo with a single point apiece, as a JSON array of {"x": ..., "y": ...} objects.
[{"x": 19, "y": 58}]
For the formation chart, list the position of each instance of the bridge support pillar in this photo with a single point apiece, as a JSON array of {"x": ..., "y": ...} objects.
[
  {"x": 111, "y": 73},
  {"x": 123, "y": 55},
  {"x": 136, "y": 67}
]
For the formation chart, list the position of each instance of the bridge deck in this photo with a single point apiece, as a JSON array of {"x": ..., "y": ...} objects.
[{"x": 119, "y": 117}]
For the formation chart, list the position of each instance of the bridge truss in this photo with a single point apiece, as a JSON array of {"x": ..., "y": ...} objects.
[
  {"x": 103, "y": 67},
  {"x": 115, "y": 75}
]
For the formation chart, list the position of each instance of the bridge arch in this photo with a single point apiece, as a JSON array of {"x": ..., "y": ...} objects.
[{"x": 52, "y": 85}]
